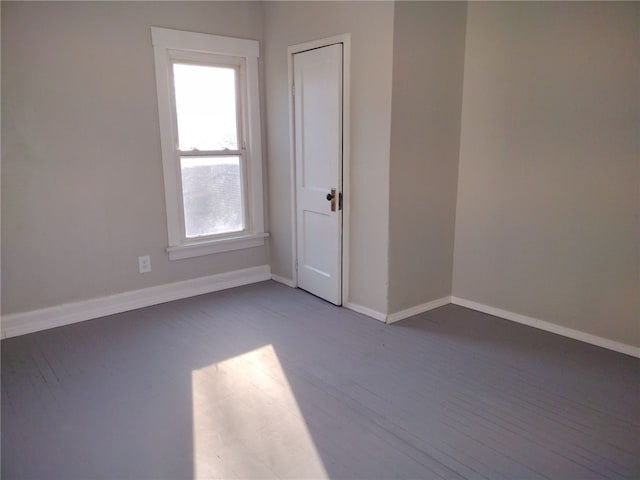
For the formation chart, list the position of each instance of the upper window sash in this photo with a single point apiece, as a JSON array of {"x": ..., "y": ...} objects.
[{"x": 235, "y": 65}]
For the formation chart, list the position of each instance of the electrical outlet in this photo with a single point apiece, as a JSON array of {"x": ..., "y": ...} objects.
[{"x": 144, "y": 264}]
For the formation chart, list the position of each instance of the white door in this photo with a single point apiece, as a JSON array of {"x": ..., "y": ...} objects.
[{"x": 317, "y": 77}]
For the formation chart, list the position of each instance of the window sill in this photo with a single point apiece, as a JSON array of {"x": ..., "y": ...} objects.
[{"x": 208, "y": 247}]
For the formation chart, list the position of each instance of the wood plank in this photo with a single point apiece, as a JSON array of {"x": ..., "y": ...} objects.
[{"x": 265, "y": 381}]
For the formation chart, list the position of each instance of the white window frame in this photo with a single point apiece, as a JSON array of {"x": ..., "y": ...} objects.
[{"x": 170, "y": 45}]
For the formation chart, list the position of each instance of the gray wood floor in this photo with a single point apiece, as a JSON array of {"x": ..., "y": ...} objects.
[{"x": 265, "y": 381}]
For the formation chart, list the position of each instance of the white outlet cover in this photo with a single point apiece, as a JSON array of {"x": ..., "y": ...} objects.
[{"x": 144, "y": 264}]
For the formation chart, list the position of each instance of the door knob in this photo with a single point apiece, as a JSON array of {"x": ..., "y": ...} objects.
[{"x": 331, "y": 196}]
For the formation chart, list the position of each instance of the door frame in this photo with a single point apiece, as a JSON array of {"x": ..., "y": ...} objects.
[{"x": 345, "y": 40}]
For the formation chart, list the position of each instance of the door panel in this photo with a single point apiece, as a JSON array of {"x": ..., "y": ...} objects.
[{"x": 318, "y": 149}]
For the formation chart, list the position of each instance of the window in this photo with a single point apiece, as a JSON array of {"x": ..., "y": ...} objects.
[{"x": 211, "y": 145}]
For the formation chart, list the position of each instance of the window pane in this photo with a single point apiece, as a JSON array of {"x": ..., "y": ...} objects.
[
  {"x": 212, "y": 195},
  {"x": 206, "y": 107}
]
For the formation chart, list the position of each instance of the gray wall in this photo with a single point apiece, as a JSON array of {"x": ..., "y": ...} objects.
[
  {"x": 82, "y": 188},
  {"x": 371, "y": 28},
  {"x": 547, "y": 220},
  {"x": 428, "y": 58},
  {"x": 546, "y": 223}
]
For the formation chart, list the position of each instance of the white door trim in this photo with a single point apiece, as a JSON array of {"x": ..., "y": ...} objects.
[{"x": 345, "y": 39}]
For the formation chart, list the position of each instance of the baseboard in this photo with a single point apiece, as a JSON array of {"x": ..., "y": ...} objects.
[
  {"x": 285, "y": 281},
  {"x": 549, "y": 327},
  {"x": 425, "y": 307},
  {"x": 366, "y": 311},
  {"x": 395, "y": 317},
  {"x": 34, "y": 321}
]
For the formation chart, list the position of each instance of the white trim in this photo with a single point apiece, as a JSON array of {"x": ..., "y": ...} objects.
[
  {"x": 285, "y": 281},
  {"x": 292, "y": 169},
  {"x": 346, "y": 161},
  {"x": 255, "y": 197},
  {"x": 366, "y": 311},
  {"x": 425, "y": 307},
  {"x": 203, "y": 42},
  {"x": 549, "y": 327},
  {"x": 167, "y": 134},
  {"x": 34, "y": 321},
  {"x": 188, "y": 250},
  {"x": 175, "y": 44},
  {"x": 319, "y": 43},
  {"x": 345, "y": 39},
  {"x": 395, "y": 317}
]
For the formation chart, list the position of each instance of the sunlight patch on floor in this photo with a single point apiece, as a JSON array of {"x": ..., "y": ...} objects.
[{"x": 247, "y": 423}]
